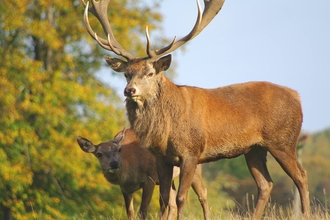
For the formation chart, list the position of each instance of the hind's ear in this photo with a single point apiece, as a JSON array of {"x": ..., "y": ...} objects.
[
  {"x": 163, "y": 63},
  {"x": 86, "y": 145},
  {"x": 120, "y": 136}
]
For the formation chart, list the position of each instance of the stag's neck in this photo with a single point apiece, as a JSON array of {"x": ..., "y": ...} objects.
[{"x": 152, "y": 119}]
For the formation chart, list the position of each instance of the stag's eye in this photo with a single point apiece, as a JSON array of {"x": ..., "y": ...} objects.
[
  {"x": 150, "y": 74},
  {"x": 126, "y": 75},
  {"x": 119, "y": 150},
  {"x": 98, "y": 155}
]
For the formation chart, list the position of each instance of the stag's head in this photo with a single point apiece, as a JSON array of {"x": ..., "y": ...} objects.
[
  {"x": 142, "y": 74},
  {"x": 108, "y": 153}
]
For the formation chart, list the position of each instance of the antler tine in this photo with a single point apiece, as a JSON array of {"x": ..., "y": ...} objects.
[
  {"x": 152, "y": 53},
  {"x": 211, "y": 9},
  {"x": 99, "y": 10}
]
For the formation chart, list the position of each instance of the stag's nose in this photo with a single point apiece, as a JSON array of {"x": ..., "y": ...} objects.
[{"x": 129, "y": 91}]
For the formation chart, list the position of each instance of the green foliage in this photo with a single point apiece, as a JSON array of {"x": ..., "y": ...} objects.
[
  {"x": 235, "y": 167},
  {"x": 315, "y": 156},
  {"x": 49, "y": 95}
]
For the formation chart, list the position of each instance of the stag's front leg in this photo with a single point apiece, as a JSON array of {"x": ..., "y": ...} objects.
[
  {"x": 172, "y": 203},
  {"x": 165, "y": 172},
  {"x": 187, "y": 171}
]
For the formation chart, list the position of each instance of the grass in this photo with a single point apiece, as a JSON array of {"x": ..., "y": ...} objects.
[{"x": 272, "y": 212}]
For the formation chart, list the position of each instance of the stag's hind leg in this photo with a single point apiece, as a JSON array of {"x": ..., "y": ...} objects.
[
  {"x": 288, "y": 160},
  {"x": 256, "y": 162}
]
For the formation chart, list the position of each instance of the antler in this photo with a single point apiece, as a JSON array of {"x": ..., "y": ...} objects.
[
  {"x": 211, "y": 9},
  {"x": 99, "y": 10}
]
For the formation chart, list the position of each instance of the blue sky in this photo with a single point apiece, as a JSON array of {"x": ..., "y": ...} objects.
[{"x": 284, "y": 42}]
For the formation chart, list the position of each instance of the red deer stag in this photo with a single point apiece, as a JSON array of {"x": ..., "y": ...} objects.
[
  {"x": 185, "y": 126},
  {"x": 125, "y": 163}
]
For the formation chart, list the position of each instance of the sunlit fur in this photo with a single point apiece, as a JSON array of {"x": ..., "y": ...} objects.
[{"x": 184, "y": 125}]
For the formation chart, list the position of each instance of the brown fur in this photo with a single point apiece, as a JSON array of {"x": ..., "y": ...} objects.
[
  {"x": 183, "y": 125},
  {"x": 135, "y": 168}
]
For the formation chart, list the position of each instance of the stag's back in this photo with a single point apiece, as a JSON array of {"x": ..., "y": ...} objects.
[{"x": 229, "y": 120}]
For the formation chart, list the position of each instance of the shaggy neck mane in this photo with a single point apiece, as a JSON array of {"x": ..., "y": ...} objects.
[{"x": 152, "y": 120}]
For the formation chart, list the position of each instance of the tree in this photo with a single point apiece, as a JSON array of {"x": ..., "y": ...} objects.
[
  {"x": 49, "y": 95},
  {"x": 316, "y": 160}
]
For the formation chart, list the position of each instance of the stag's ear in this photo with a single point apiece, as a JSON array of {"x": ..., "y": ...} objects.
[
  {"x": 120, "y": 136},
  {"x": 163, "y": 63},
  {"x": 86, "y": 145},
  {"x": 116, "y": 64}
]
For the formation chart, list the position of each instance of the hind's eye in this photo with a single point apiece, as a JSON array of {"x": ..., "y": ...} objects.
[
  {"x": 125, "y": 75},
  {"x": 150, "y": 74},
  {"x": 98, "y": 155}
]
